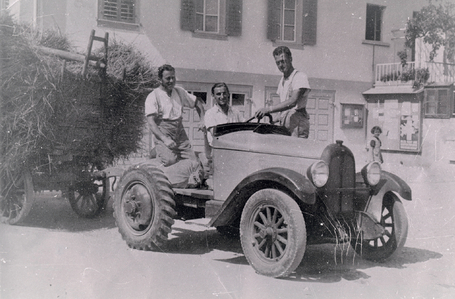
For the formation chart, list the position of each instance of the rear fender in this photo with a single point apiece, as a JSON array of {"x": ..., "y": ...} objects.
[
  {"x": 392, "y": 184},
  {"x": 278, "y": 178}
]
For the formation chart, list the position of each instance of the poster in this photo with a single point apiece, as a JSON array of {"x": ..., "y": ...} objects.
[{"x": 409, "y": 130}]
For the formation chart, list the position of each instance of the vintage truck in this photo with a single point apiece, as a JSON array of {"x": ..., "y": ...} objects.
[{"x": 279, "y": 193}]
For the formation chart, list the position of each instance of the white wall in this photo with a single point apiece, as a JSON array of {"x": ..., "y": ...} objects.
[{"x": 339, "y": 61}]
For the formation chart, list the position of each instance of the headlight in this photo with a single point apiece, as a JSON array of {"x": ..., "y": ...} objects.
[
  {"x": 318, "y": 173},
  {"x": 372, "y": 173}
]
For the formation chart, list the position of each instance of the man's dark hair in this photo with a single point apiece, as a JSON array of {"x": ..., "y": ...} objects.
[
  {"x": 282, "y": 49},
  {"x": 165, "y": 67},
  {"x": 220, "y": 84}
]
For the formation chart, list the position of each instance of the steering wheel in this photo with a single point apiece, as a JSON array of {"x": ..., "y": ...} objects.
[{"x": 259, "y": 119}]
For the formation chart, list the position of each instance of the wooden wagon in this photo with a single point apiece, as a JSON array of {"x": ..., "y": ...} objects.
[{"x": 69, "y": 166}]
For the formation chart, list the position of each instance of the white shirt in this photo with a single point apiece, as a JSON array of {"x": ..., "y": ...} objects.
[
  {"x": 294, "y": 82},
  {"x": 158, "y": 103},
  {"x": 216, "y": 116}
]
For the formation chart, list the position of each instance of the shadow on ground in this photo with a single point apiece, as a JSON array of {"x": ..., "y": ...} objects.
[
  {"x": 51, "y": 211},
  {"x": 328, "y": 263},
  {"x": 325, "y": 263},
  {"x": 186, "y": 241}
]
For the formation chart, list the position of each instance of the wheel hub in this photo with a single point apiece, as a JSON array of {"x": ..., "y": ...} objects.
[
  {"x": 138, "y": 207},
  {"x": 268, "y": 233},
  {"x": 131, "y": 207}
]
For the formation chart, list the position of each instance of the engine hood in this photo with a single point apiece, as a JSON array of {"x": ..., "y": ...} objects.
[{"x": 272, "y": 144}]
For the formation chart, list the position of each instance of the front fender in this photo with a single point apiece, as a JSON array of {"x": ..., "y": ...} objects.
[
  {"x": 278, "y": 178},
  {"x": 392, "y": 184},
  {"x": 395, "y": 184}
]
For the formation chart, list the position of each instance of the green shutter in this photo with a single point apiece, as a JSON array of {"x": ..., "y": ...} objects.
[
  {"x": 188, "y": 15},
  {"x": 234, "y": 17},
  {"x": 310, "y": 13},
  {"x": 273, "y": 19}
]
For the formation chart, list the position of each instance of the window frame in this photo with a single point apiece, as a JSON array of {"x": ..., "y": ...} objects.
[
  {"x": 368, "y": 28},
  {"x": 117, "y": 23},
  {"x": 439, "y": 102},
  {"x": 205, "y": 15},
  {"x": 284, "y": 24},
  {"x": 305, "y": 23},
  {"x": 229, "y": 19},
  {"x": 221, "y": 33}
]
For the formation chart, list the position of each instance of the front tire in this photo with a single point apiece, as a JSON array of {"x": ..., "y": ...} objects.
[
  {"x": 273, "y": 233},
  {"x": 395, "y": 223},
  {"x": 144, "y": 207}
]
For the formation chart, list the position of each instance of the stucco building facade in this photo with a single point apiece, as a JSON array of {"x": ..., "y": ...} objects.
[{"x": 339, "y": 45}]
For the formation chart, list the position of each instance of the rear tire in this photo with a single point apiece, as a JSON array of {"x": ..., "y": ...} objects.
[
  {"x": 273, "y": 233},
  {"x": 144, "y": 207},
  {"x": 16, "y": 198},
  {"x": 87, "y": 199}
]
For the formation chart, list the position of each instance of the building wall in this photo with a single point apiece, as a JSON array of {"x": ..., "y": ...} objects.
[{"x": 340, "y": 62}]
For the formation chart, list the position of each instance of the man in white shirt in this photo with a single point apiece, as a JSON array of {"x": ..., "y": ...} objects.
[
  {"x": 221, "y": 112},
  {"x": 163, "y": 109},
  {"x": 293, "y": 90}
]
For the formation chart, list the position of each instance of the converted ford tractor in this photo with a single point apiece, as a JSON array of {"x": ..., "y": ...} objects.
[{"x": 279, "y": 193}]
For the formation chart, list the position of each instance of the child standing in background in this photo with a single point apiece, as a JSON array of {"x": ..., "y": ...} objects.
[{"x": 375, "y": 145}]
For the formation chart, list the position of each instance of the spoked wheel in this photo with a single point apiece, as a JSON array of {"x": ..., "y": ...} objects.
[
  {"x": 395, "y": 230},
  {"x": 87, "y": 198},
  {"x": 16, "y": 198},
  {"x": 144, "y": 207},
  {"x": 273, "y": 233}
]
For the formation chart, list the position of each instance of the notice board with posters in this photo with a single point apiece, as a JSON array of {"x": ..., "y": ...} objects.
[{"x": 400, "y": 118}]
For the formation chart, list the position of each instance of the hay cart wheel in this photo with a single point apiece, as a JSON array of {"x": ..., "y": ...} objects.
[
  {"x": 273, "y": 233},
  {"x": 87, "y": 198},
  {"x": 395, "y": 230},
  {"x": 16, "y": 199},
  {"x": 144, "y": 207}
]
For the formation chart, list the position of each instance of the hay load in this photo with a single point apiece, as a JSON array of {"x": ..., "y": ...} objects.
[{"x": 47, "y": 108}]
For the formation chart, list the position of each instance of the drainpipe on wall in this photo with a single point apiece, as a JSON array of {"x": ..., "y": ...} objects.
[
  {"x": 35, "y": 13},
  {"x": 373, "y": 66}
]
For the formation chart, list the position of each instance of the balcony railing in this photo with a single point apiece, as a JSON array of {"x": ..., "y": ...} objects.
[{"x": 396, "y": 74}]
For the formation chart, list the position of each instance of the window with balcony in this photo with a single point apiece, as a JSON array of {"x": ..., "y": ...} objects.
[
  {"x": 118, "y": 13},
  {"x": 214, "y": 19},
  {"x": 374, "y": 22},
  {"x": 292, "y": 22}
]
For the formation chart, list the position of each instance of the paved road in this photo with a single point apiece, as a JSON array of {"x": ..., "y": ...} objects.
[{"x": 55, "y": 254}]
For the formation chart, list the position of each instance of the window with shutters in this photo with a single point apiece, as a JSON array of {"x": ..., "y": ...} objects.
[
  {"x": 292, "y": 22},
  {"x": 118, "y": 13},
  {"x": 214, "y": 19},
  {"x": 438, "y": 102}
]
